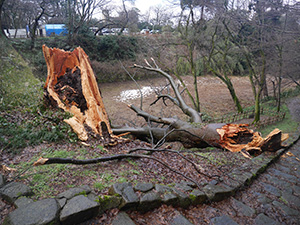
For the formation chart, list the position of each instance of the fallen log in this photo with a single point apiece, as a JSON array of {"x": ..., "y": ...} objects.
[{"x": 232, "y": 137}]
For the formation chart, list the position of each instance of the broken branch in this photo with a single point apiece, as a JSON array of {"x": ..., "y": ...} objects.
[
  {"x": 195, "y": 116},
  {"x": 46, "y": 161}
]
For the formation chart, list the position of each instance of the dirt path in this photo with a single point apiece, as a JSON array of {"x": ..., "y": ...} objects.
[{"x": 294, "y": 107}]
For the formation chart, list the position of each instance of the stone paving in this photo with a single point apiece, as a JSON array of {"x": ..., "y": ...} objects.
[{"x": 273, "y": 198}]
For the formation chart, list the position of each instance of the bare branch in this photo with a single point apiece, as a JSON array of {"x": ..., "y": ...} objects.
[
  {"x": 195, "y": 116},
  {"x": 174, "y": 100},
  {"x": 149, "y": 117},
  {"x": 132, "y": 78},
  {"x": 196, "y": 167},
  {"x": 44, "y": 161}
]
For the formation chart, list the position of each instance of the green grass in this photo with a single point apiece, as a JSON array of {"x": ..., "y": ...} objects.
[
  {"x": 48, "y": 180},
  {"x": 23, "y": 119},
  {"x": 287, "y": 125},
  {"x": 211, "y": 158},
  {"x": 18, "y": 86},
  {"x": 106, "y": 180},
  {"x": 28, "y": 128},
  {"x": 44, "y": 179}
]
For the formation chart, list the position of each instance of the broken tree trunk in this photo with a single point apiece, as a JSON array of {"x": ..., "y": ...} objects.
[
  {"x": 71, "y": 85},
  {"x": 232, "y": 137}
]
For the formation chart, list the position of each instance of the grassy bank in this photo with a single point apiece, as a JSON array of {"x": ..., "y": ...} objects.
[
  {"x": 18, "y": 86},
  {"x": 24, "y": 120}
]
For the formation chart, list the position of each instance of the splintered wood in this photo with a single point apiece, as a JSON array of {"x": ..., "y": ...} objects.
[
  {"x": 71, "y": 85},
  {"x": 238, "y": 138}
]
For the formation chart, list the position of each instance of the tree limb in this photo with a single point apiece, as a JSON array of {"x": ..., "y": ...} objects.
[
  {"x": 46, "y": 161},
  {"x": 148, "y": 117},
  {"x": 195, "y": 116}
]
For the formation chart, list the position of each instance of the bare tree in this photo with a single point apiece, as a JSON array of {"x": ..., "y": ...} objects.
[
  {"x": 80, "y": 13},
  {"x": 43, "y": 8},
  {"x": 221, "y": 64},
  {"x": 161, "y": 16},
  {"x": 1, "y": 6}
]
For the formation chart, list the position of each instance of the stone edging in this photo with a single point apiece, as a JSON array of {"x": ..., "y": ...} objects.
[{"x": 80, "y": 204}]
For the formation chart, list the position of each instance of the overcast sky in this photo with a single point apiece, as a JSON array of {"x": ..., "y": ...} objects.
[{"x": 144, "y": 5}]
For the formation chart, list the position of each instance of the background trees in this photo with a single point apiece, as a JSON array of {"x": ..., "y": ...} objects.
[{"x": 258, "y": 39}]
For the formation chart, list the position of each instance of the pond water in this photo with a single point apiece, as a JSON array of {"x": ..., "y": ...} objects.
[{"x": 132, "y": 94}]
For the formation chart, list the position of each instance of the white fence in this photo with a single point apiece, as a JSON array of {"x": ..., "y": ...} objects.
[{"x": 16, "y": 33}]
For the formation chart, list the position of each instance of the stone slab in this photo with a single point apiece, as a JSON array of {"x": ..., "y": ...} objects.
[
  {"x": 143, "y": 187},
  {"x": 68, "y": 194},
  {"x": 130, "y": 200},
  {"x": 282, "y": 175},
  {"x": 122, "y": 219},
  {"x": 197, "y": 197},
  {"x": 262, "y": 219},
  {"x": 23, "y": 201},
  {"x": 291, "y": 199},
  {"x": 150, "y": 201},
  {"x": 2, "y": 180},
  {"x": 170, "y": 199},
  {"x": 183, "y": 199},
  {"x": 217, "y": 193},
  {"x": 163, "y": 188},
  {"x": 109, "y": 202},
  {"x": 118, "y": 188},
  {"x": 287, "y": 210},
  {"x": 180, "y": 220},
  {"x": 243, "y": 208},
  {"x": 183, "y": 187},
  {"x": 11, "y": 191},
  {"x": 271, "y": 189},
  {"x": 78, "y": 209},
  {"x": 223, "y": 220},
  {"x": 42, "y": 212}
]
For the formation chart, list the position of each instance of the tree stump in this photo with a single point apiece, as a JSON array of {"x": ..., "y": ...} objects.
[{"x": 71, "y": 85}]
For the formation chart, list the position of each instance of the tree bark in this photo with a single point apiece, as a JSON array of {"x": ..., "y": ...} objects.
[
  {"x": 232, "y": 137},
  {"x": 2, "y": 34}
]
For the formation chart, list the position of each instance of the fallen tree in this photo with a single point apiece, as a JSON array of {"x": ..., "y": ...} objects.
[{"x": 71, "y": 85}]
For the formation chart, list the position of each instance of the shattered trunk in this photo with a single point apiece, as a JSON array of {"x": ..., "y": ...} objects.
[{"x": 71, "y": 85}]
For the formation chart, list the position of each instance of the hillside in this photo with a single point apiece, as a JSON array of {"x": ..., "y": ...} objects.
[{"x": 18, "y": 86}]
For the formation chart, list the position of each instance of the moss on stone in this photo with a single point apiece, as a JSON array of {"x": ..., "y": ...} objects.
[
  {"x": 193, "y": 197},
  {"x": 108, "y": 202},
  {"x": 82, "y": 193}
]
